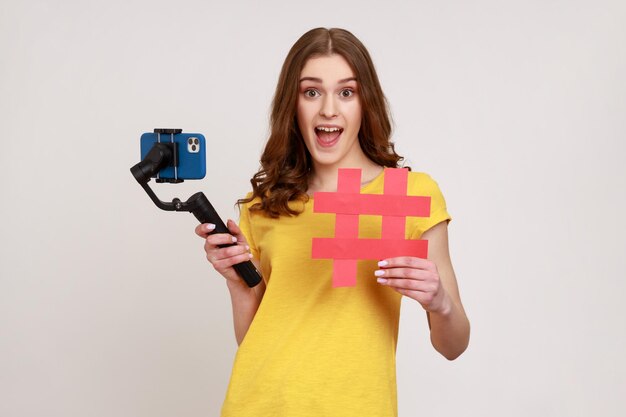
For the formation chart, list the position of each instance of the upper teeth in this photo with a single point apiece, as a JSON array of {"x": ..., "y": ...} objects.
[{"x": 328, "y": 129}]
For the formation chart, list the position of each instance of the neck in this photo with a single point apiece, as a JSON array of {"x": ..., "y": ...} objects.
[{"x": 324, "y": 178}]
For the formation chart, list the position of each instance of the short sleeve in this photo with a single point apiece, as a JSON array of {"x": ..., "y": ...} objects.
[
  {"x": 246, "y": 227},
  {"x": 424, "y": 185}
]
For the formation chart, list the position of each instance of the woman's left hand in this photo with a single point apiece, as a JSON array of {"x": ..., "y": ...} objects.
[{"x": 415, "y": 278}]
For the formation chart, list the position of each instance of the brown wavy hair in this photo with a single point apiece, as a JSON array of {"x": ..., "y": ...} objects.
[{"x": 286, "y": 162}]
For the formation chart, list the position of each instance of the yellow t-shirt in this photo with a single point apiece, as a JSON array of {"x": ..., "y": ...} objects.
[{"x": 314, "y": 350}]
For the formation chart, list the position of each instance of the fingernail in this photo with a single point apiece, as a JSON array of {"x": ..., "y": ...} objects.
[
  {"x": 379, "y": 273},
  {"x": 234, "y": 239},
  {"x": 210, "y": 226},
  {"x": 247, "y": 247},
  {"x": 250, "y": 255},
  {"x": 383, "y": 263},
  {"x": 381, "y": 280}
]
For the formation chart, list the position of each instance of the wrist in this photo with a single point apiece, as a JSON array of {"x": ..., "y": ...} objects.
[
  {"x": 239, "y": 289},
  {"x": 445, "y": 308},
  {"x": 236, "y": 286}
]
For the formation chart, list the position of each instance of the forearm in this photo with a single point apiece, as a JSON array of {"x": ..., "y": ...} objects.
[
  {"x": 245, "y": 303},
  {"x": 449, "y": 331}
]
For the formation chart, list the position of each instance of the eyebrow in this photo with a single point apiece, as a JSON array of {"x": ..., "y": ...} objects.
[{"x": 319, "y": 80}]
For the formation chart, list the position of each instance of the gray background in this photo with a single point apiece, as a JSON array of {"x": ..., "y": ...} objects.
[{"x": 516, "y": 109}]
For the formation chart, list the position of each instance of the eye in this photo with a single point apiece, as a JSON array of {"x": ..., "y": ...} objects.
[
  {"x": 311, "y": 93},
  {"x": 346, "y": 93}
]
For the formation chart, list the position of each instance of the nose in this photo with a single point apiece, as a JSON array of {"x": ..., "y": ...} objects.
[{"x": 329, "y": 106}]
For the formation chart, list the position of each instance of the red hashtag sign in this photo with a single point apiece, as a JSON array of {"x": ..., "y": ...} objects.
[{"x": 348, "y": 203}]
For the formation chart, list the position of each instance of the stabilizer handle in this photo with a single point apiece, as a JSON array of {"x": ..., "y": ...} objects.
[{"x": 201, "y": 207}]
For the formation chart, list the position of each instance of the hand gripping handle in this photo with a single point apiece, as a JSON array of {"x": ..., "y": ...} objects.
[{"x": 200, "y": 206}]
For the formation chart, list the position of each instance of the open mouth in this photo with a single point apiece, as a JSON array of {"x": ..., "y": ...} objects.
[{"x": 328, "y": 136}]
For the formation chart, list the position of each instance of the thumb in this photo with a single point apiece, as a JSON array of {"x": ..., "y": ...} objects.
[{"x": 236, "y": 231}]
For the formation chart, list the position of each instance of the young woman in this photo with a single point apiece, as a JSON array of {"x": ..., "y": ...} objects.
[{"x": 306, "y": 348}]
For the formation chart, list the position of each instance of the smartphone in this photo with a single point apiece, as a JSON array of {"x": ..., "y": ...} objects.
[{"x": 191, "y": 154}]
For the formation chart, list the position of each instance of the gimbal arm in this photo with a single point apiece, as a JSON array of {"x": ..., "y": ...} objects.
[{"x": 160, "y": 156}]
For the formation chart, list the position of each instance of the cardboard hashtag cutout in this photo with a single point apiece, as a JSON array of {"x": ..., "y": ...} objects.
[{"x": 394, "y": 205}]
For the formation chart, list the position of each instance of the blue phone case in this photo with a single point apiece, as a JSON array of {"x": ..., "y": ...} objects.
[{"x": 191, "y": 154}]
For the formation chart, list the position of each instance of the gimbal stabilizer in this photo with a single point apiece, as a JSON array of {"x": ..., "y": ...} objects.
[{"x": 165, "y": 154}]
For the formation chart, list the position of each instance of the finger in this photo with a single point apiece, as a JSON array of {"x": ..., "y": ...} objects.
[
  {"x": 216, "y": 254},
  {"x": 409, "y": 284},
  {"x": 223, "y": 264},
  {"x": 221, "y": 239},
  {"x": 424, "y": 298},
  {"x": 204, "y": 229},
  {"x": 236, "y": 231},
  {"x": 407, "y": 262},
  {"x": 407, "y": 273}
]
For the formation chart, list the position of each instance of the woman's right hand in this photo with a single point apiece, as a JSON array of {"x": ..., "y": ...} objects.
[{"x": 223, "y": 259}]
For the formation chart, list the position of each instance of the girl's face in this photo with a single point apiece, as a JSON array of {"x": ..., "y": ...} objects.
[{"x": 329, "y": 112}]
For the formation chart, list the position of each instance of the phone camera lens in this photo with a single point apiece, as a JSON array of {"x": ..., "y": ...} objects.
[{"x": 193, "y": 144}]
